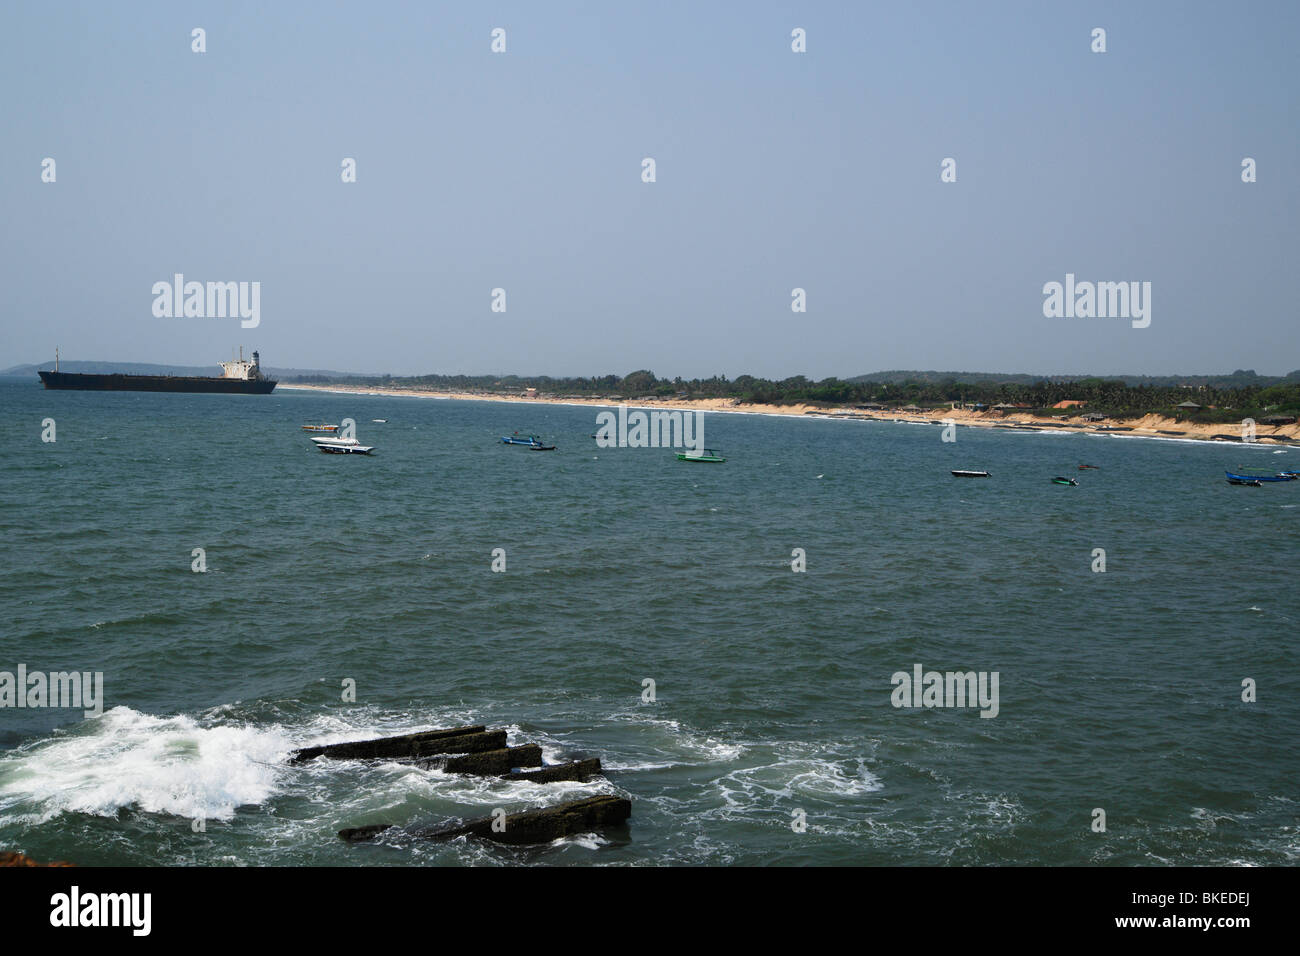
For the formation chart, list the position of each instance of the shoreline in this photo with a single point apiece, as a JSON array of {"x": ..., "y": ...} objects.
[{"x": 1153, "y": 425}]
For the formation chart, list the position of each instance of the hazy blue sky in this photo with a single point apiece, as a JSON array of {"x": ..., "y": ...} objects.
[{"x": 522, "y": 171}]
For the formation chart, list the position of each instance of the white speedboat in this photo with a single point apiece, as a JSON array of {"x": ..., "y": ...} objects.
[{"x": 342, "y": 446}]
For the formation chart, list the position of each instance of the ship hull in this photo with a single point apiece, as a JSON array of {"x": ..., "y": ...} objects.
[{"x": 155, "y": 383}]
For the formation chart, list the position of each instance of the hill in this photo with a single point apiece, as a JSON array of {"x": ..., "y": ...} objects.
[{"x": 1242, "y": 378}]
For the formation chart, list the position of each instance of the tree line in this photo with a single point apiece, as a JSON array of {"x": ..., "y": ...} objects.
[{"x": 1109, "y": 396}]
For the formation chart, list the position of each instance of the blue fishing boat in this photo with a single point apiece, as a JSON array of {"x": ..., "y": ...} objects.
[
  {"x": 1235, "y": 478},
  {"x": 516, "y": 440}
]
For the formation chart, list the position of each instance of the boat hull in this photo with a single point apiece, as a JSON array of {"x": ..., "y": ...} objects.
[{"x": 79, "y": 381}]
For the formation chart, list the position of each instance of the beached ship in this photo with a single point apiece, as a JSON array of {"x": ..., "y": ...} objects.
[{"x": 237, "y": 378}]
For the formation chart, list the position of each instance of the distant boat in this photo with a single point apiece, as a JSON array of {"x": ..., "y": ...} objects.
[
  {"x": 970, "y": 474},
  {"x": 1293, "y": 475},
  {"x": 346, "y": 449},
  {"x": 1250, "y": 483},
  {"x": 237, "y": 377},
  {"x": 1258, "y": 477},
  {"x": 540, "y": 447},
  {"x": 516, "y": 440},
  {"x": 380, "y": 421},
  {"x": 320, "y": 428},
  {"x": 1086, "y": 467},
  {"x": 1058, "y": 480},
  {"x": 342, "y": 446},
  {"x": 707, "y": 456}
]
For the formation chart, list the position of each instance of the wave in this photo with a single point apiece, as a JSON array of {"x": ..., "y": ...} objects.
[{"x": 130, "y": 760}]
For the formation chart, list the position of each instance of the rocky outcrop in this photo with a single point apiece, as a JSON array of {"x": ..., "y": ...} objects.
[
  {"x": 10, "y": 858},
  {"x": 489, "y": 763},
  {"x": 516, "y": 829},
  {"x": 578, "y": 770},
  {"x": 425, "y": 743}
]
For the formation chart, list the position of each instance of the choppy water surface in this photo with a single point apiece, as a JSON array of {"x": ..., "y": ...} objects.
[{"x": 1119, "y": 690}]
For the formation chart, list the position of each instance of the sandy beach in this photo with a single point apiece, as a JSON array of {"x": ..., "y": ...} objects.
[{"x": 1147, "y": 426}]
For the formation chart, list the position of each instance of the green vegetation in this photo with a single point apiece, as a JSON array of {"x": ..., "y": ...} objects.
[{"x": 1255, "y": 396}]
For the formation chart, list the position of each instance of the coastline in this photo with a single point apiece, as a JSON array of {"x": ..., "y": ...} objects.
[{"x": 1153, "y": 426}]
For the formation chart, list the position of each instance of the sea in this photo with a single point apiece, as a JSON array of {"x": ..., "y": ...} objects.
[{"x": 243, "y": 595}]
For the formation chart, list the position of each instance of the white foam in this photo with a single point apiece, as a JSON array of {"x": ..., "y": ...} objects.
[
  {"x": 790, "y": 777},
  {"x": 126, "y": 759},
  {"x": 588, "y": 841}
]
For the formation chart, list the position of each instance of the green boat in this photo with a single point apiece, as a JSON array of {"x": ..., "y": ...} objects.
[{"x": 708, "y": 455}]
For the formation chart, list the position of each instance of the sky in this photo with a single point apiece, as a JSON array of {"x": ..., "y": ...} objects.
[{"x": 774, "y": 170}]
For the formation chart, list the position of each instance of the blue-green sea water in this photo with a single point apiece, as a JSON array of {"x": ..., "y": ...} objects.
[{"x": 1118, "y": 690}]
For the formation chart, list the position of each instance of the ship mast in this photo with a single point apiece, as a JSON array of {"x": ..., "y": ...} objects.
[{"x": 56, "y": 358}]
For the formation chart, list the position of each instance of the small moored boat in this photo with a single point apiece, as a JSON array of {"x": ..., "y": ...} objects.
[
  {"x": 342, "y": 446},
  {"x": 970, "y": 474},
  {"x": 346, "y": 449},
  {"x": 516, "y": 440},
  {"x": 707, "y": 456},
  {"x": 320, "y": 428},
  {"x": 1058, "y": 480},
  {"x": 1231, "y": 476}
]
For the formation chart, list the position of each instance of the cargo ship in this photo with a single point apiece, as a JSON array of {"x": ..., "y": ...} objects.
[{"x": 238, "y": 378}]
